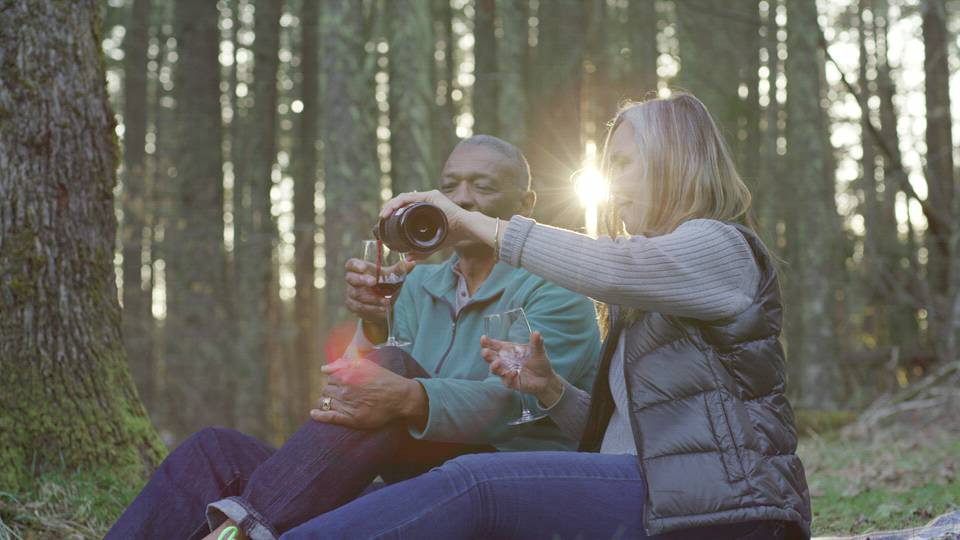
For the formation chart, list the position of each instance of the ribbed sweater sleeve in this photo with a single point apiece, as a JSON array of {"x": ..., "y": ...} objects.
[{"x": 704, "y": 269}]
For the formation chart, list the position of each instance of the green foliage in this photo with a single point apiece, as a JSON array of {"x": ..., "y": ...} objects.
[{"x": 75, "y": 505}]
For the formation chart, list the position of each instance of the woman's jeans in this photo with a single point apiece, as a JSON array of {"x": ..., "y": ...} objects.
[
  {"x": 269, "y": 491},
  {"x": 555, "y": 495}
]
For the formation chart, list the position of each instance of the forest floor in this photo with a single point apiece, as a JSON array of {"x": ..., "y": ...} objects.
[{"x": 897, "y": 477}]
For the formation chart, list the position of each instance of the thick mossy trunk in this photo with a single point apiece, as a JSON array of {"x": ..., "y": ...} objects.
[{"x": 68, "y": 399}]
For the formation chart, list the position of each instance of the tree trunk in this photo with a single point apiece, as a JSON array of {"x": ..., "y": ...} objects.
[
  {"x": 719, "y": 45},
  {"x": 813, "y": 243},
  {"x": 444, "y": 118},
  {"x": 411, "y": 96},
  {"x": 198, "y": 356},
  {"x": 486, "y": 72},
  {"x": 68, "y": 399},
  {"x": 138, "y": 324},
  {"x": 904, "y": 331},
  {"x": 305, "y": 303},
  {"x": 351, "y": 173},
  {"x": 642, "y": 25},
  {"x": 512, "y": 66},
  {"x": 940, "y": 177},
  {"x": 254, "y": 260},
  {"x": 554, "y": 144}
]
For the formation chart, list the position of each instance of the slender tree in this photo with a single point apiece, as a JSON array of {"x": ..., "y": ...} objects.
[
  {"x": 411, "y": 96},
  {"x": 68, "y": 399},
  {"x": 138, "y": 327},
  {"x": 485, "y": 88},
  {"x": 444, "y": 73},
  {"x": 254, "y": 253},
  {"x": 554, "y": 144},
  {"x": 941, "y": 185},
  {"x": 512, "y": 67},
  {"x": 351, "y": 174},
  {"x": 305, "y": 303},
  {"x": 811, "y": 293},
  {"x": 197, "y": 349},
  {"x": 642, "y": 36}
]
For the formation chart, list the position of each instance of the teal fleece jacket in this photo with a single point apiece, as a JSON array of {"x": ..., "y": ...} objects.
[{"x": 467, "y": 404}]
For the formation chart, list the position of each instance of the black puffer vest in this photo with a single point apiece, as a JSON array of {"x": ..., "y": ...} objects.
[{"x": 714, "y": 432}]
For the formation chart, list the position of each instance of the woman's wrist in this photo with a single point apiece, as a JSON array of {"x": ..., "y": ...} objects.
[
  {"x": 484, "y": 228},
  {"x": 552, "y": 392}
]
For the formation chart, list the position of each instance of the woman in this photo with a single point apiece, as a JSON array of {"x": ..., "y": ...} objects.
[{"x": 689, "y": 431}]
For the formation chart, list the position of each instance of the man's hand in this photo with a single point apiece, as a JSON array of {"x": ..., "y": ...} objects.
[
  {"x": 363, "y": 395},
  {"x": 361, "y": 300}
]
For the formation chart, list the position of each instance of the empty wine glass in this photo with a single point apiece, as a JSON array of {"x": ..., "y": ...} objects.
[
  {"x": 390, "y": 274},
  {"x": 512, "y": 328}
]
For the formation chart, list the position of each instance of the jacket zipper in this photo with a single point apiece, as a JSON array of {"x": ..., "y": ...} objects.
[{"x": 453, "y": 336}]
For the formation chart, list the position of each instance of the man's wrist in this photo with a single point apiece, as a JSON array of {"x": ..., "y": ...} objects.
[
  {"x": 375, "y": 332},
  {"x": 416, "y": 406}
]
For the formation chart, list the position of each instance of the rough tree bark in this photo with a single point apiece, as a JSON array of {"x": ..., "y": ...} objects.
[
  {"x": 351, "y": 172},
  {"x": 411, "y": 96},
  {"x": 198, "y": 353},
  {"x": 68, "y": 399}
]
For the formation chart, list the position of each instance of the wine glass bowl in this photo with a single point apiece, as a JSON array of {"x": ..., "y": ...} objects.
[
  {"x": 512, "y": 329},
  {"x": 391, "y": 272}
]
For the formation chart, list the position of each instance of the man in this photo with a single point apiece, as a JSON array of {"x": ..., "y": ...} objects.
[{"x": 390, "y": 414}]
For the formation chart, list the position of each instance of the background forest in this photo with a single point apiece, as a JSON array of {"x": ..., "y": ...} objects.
[{"x": 258, "y": 138}]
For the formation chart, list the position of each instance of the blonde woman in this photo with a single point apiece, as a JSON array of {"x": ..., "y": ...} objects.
[{"x": 688, "y": 433}]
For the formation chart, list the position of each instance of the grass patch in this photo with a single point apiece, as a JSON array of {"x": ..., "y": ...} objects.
[
  {"x": 75, "y": 506},
  {"x": 894, "y": 480}
]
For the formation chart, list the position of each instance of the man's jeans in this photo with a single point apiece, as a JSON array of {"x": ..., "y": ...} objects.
[{"x": 267, "y": 491}]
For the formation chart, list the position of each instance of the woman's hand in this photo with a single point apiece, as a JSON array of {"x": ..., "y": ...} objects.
[
  {"x": 536, "y": 376},
  {"x": 463, "y": 224}
]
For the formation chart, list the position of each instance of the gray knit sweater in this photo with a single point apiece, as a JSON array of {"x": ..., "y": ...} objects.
[{"x": 704, "y": 269}]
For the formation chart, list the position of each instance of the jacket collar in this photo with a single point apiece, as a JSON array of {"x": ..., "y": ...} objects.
[{"x": 441, "y": 283}]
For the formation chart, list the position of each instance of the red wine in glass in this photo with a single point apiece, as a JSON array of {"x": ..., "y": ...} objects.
[{"x": 387, "y": 289}]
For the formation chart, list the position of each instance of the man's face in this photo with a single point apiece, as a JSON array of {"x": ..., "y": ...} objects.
[{"x": 480, "y": 179}]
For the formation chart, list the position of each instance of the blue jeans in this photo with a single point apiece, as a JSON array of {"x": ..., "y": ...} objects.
[
  {"x": 269, "y": 491},
  {"x": 520, "y": 495}
]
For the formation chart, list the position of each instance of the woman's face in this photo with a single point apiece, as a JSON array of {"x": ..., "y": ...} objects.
[{"x": 627, "y": 183}]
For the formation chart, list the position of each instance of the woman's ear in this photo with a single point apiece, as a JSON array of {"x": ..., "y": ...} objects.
[{"x": 528, "y": 199}]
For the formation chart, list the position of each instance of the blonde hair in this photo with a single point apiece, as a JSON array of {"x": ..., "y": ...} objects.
[{"x": 687, "y": 168}]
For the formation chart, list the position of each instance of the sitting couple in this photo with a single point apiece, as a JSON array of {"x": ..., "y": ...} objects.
[{"x": 687, "y": 432}]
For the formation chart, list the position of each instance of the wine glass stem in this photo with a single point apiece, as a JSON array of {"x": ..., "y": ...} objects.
[
  {"x": 523, "y": 400},
  {"x": 390, "y": 339}
]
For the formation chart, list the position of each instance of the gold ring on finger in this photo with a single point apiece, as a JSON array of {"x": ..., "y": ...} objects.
[{"x": 325, "y": 403}]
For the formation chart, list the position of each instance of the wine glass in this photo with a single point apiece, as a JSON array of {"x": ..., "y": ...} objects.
[
  {"x": 391, "y": 271},
  {"x": 512, "y": 328}
]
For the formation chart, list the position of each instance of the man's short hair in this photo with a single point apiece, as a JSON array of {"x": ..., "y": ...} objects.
[{"x": 516, "y": 162}]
